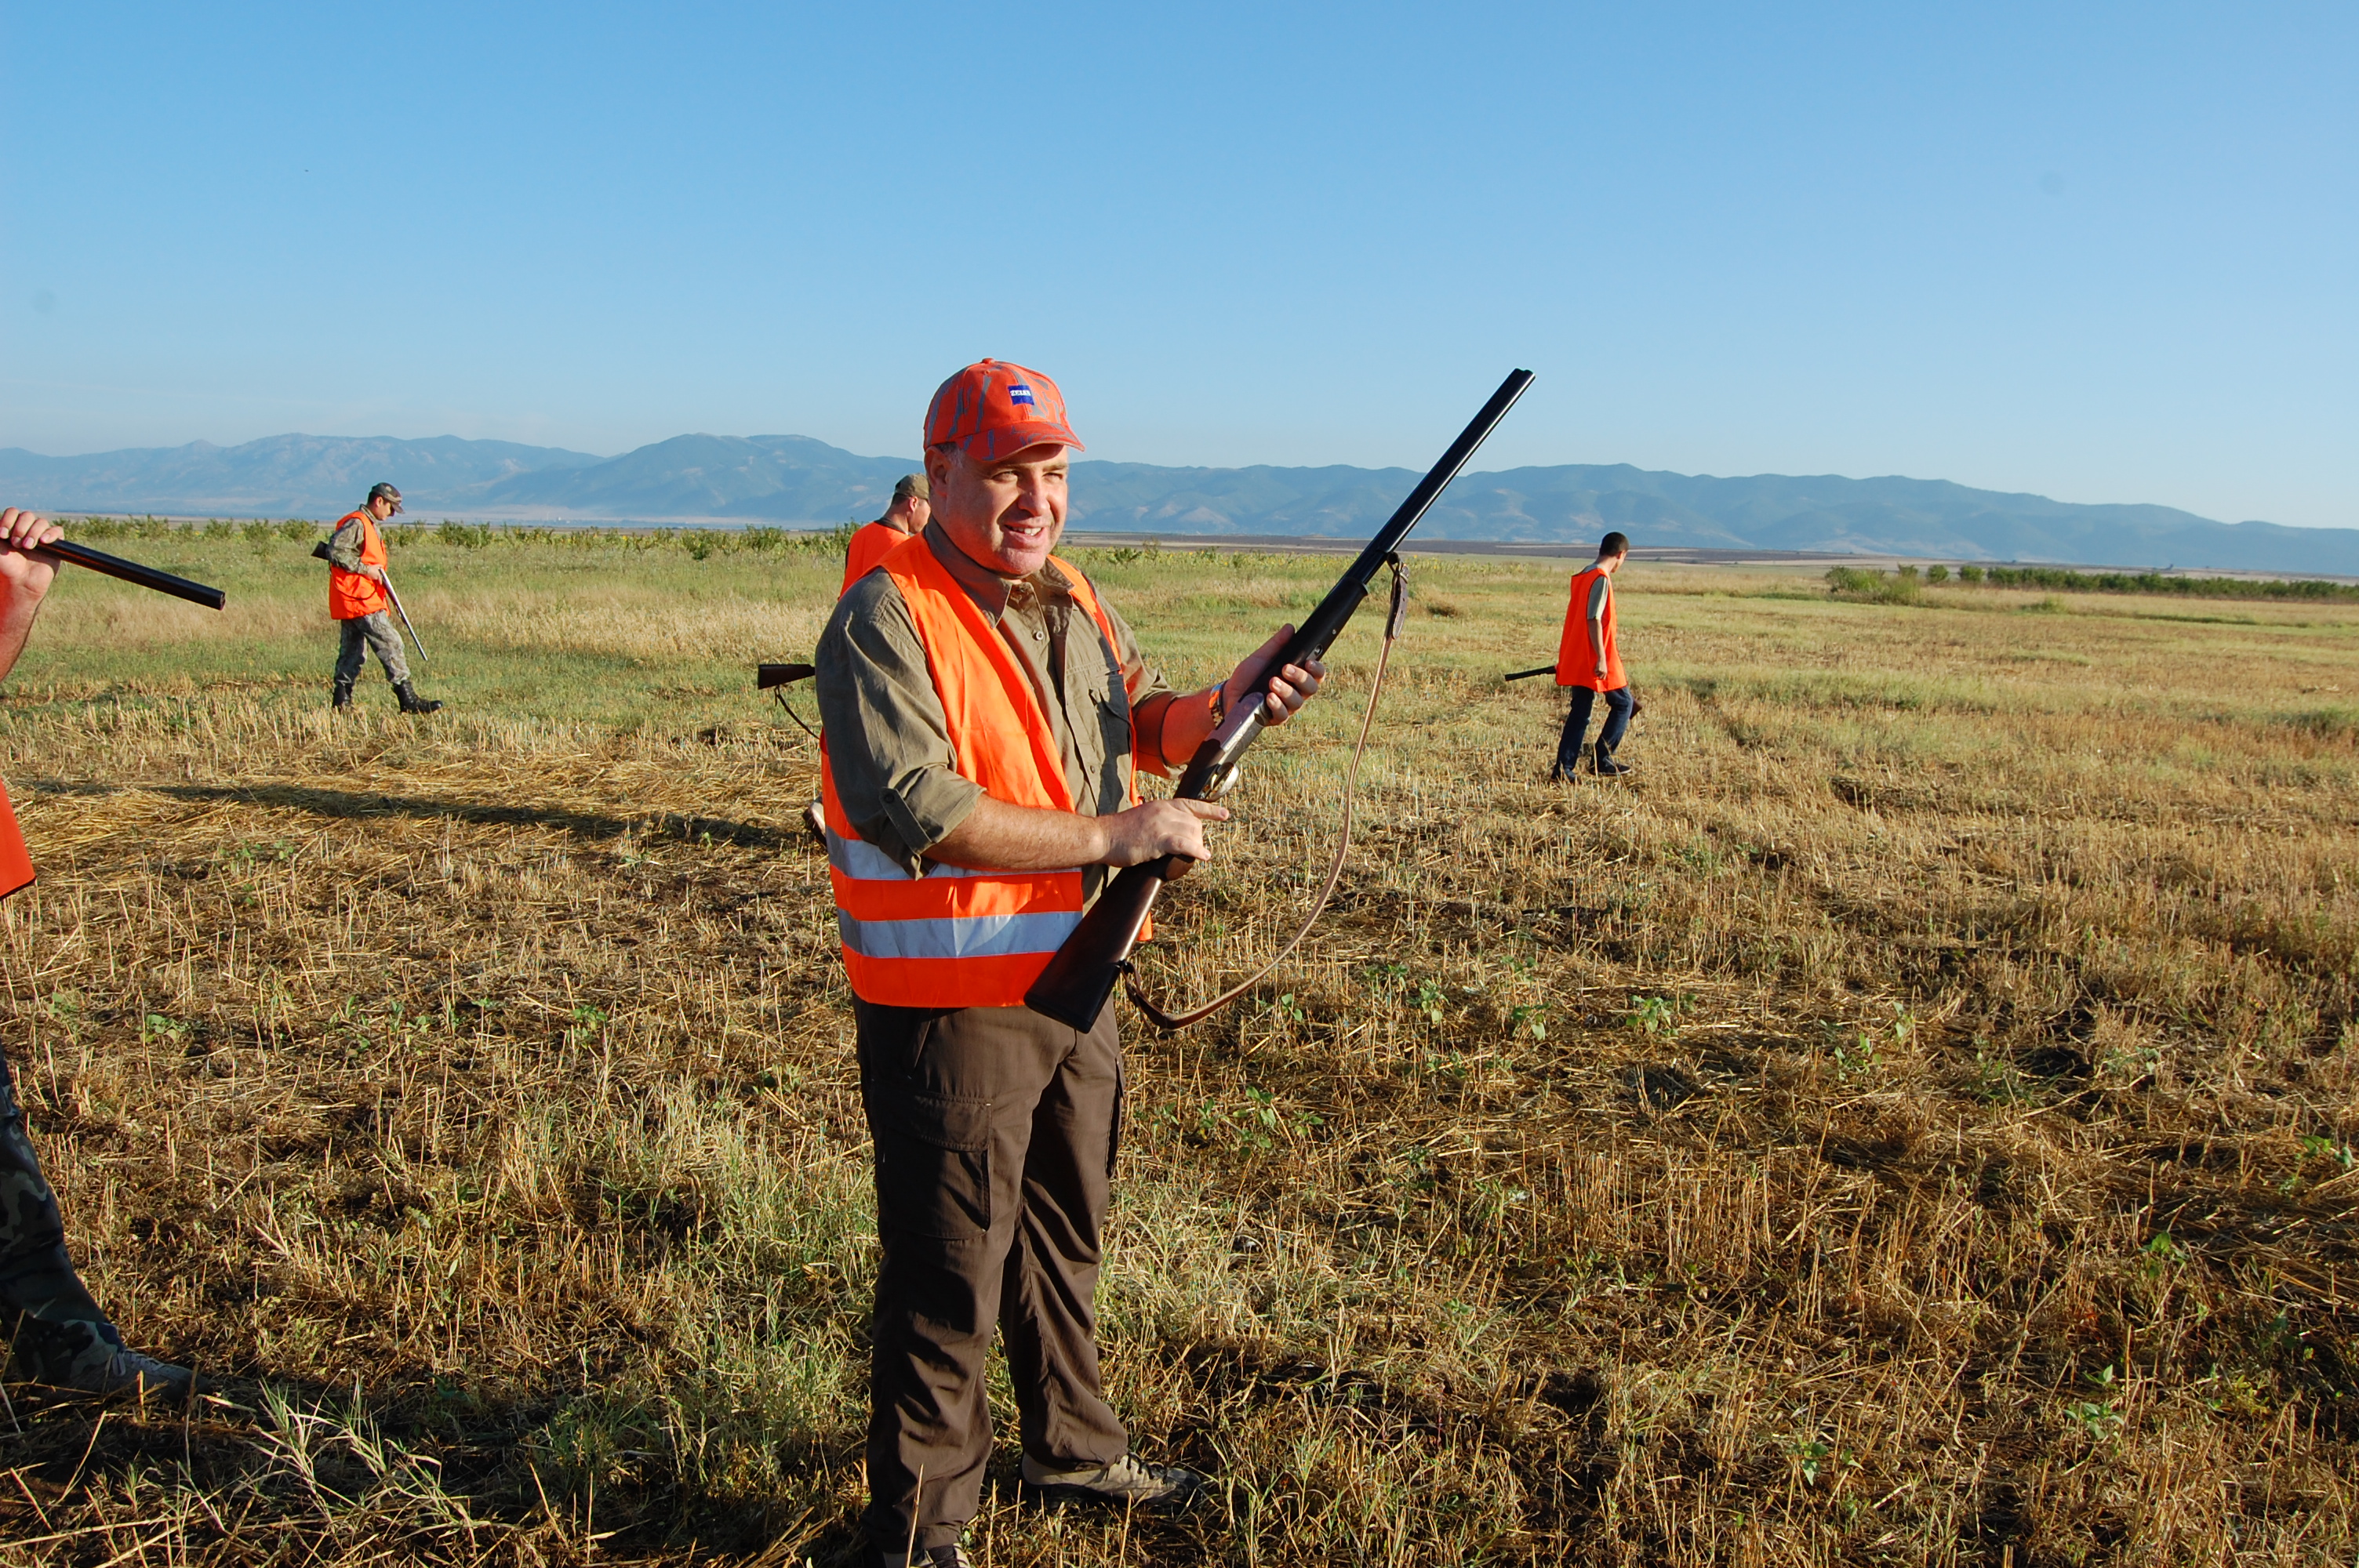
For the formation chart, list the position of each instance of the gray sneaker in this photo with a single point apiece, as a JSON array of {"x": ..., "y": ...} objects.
[
  {"x": 91, "y": 1357},
  {"x": 1128, "y": 1482},
  {"x": 951, "y": 1556}
]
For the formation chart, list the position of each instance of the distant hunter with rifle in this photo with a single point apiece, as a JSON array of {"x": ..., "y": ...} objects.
[
  {"x": 984, "y": 711},
  {"x": 359, "y": 597},
  {"x": 54, "y": 1331},
  {"x": 1588, "y": 662}
]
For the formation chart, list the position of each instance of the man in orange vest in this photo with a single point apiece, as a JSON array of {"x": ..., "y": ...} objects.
[
  {"x": 359, "y": 598},
  {"x": 1587, "y": 661},
  {"x": 984, "y": 711},
  {"x": 872, "y": 542},
  {"x": 55, "y": 1331}
]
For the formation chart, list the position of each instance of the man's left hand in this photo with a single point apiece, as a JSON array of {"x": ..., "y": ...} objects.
[
  {"x": 22, "y": 532},
  {"x": 1283, "y": 692}
]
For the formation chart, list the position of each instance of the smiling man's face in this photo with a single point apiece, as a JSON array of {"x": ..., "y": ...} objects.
[{"x": 1007, "y": 514}]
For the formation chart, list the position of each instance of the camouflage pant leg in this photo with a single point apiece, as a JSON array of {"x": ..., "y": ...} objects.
[
  {"x": 366, "y": 634},
  {"x": 47, "y": 1313}
]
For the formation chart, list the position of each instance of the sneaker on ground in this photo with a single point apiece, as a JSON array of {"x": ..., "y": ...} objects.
[
  {"x": 90, "y": 1357},
  {"x": 953, "y": 1556},
  {"x": 128, "y": 1371},
  {"x": 1127, "y": 1482}
]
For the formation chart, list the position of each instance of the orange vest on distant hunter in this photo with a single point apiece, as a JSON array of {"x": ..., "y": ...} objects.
[
  {"x": 1576, "y": 663},
  {"x": 952, "y": 936},
  {"x": 870, "y": 544},
  {"x": 351, "y": 595}
]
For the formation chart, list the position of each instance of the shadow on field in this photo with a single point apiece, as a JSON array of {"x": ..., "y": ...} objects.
[
  {"x": 350, "y": 1476},
  {"x": 582, "y": 824}
]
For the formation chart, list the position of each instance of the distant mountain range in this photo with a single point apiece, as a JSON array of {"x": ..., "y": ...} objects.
[{"x": 795, "y": 481}]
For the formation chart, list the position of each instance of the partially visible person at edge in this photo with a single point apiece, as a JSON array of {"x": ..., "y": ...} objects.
[
  {"x": 984, "y": 711},
  {"x": 361, "y": 600},
  {"x": 55, "y": 1331},
  {"x": 872, "y": 542},
  {"x": 1587, "y": 661}
]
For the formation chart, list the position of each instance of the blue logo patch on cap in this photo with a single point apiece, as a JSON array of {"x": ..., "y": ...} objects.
[{"x": 1020, "y": 393}]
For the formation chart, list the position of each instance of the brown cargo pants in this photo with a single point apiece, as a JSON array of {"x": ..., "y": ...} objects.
[{"x": 995, "y": 1131}]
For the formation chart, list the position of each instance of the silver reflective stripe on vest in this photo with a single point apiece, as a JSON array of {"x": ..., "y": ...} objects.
[
  {"x": 973, "y": 936},
  {"x": 864, "y": 861}
]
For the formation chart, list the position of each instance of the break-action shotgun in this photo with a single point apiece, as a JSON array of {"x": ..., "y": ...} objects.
[{"x": 1081, "y": 976}]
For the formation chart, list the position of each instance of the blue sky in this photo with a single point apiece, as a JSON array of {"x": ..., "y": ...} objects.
[{"x": 2103, "y": 252}]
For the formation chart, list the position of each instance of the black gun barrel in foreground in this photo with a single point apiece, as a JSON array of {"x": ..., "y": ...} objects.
[
  {"x": 132, "y": 571},
  {"x": 1079, "y": 979}
]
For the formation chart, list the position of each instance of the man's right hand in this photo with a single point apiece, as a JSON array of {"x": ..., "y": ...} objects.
[
  {"x": 1158, "y": 829},
  {"x": 376, "y": 576}
]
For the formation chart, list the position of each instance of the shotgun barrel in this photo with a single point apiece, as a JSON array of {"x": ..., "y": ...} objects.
[
  {"x": 1074, "y": 988},
  {"x": 132, "y": 571},
  {"x": 1526, "y": 675}
]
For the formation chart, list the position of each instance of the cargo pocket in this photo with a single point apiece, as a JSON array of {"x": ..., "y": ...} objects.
[{"x": 933, "y": 1165}]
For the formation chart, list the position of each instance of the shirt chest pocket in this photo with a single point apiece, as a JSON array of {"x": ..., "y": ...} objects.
[{"x": 1100, "y": 693}]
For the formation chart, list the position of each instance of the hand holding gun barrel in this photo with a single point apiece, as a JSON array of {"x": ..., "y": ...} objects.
[{"x": 31, "y": 540}]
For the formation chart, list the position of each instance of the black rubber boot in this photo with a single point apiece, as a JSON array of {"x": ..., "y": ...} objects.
[
  {"x": 413, "y": 703},
  {"x": 1607, "y": 768},
  {"x": 343, "y": 695}
]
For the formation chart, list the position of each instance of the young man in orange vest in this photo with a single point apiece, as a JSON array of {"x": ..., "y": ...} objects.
[
  {"x": 871, "y": 543},
  {"x": 912, "y": 506},
  {"x": 54, "y": 1332},
  {"x": 985, "y": 710},
  {"x": 359, "y": 598},
  {"x": 1587, "y": 661}
]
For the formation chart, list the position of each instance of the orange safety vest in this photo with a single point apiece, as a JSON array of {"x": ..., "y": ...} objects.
[
  {"x": 351, "y": 595},
  {"x": 1576, "y": 664},
  {"x": 15, "y": 861},
  {"x": 871, "y": 543},
  {"x": 952, "y": 936}
]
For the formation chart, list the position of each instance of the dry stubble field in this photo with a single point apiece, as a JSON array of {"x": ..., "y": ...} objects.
[{"x": 1911, "y": 1121}]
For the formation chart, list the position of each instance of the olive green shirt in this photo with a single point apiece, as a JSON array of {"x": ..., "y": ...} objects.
[{"x": 888, "y": 740}]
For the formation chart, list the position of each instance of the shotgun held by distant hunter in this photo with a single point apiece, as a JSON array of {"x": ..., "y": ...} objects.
[{"x": 1074, "y": 989}]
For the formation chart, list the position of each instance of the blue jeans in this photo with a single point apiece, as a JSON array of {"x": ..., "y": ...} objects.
[{"x": 1576, "y": 725}]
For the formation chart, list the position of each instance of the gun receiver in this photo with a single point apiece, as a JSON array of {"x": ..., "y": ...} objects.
[
  {"x": 1080, "y": 978},
  {"x": 767, "y": 676}
]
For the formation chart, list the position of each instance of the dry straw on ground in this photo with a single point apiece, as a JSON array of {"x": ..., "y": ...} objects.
[{"x": 1911, "y": 1121}]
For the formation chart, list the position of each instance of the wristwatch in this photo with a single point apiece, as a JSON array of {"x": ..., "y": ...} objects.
[{"x": 1220, "y": 703}]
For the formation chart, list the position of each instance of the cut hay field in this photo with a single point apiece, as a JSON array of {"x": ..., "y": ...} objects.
[{"x": 1910, "y": 1120}]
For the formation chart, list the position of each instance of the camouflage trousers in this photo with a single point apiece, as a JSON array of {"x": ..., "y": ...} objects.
[
  {"x": 366, "y": 634},
  {"x": 54, "y": 1329}
]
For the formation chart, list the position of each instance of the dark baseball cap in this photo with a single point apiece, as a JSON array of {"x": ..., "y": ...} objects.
[{"x": 385, "y": 493}]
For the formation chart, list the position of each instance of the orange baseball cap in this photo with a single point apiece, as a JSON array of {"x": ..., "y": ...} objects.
[{"x": 992, "y": 408}]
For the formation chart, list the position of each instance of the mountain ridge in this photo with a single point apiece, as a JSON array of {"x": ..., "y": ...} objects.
[{"x": 798, "y": 479}]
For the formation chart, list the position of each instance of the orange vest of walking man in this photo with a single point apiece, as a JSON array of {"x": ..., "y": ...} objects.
[
  {"x": 984, "y": 711},
  {"x": 359, "y": 597},
  {"x": 912, "y": 506},
  {"x": 1588, "y": 662},
  {"x": 54, "y": 1331}
]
